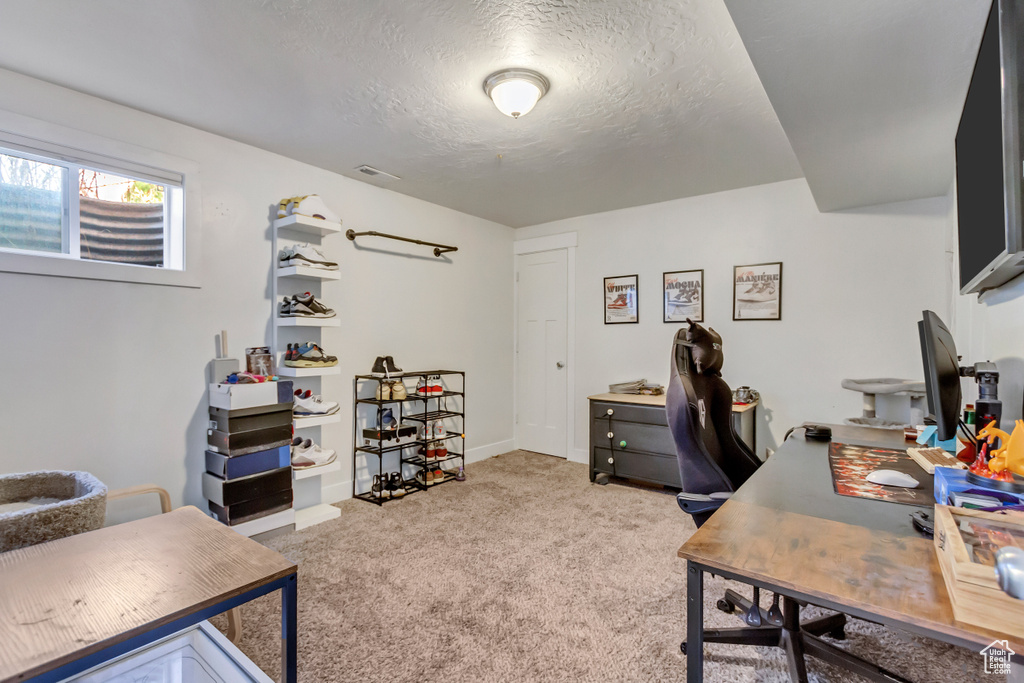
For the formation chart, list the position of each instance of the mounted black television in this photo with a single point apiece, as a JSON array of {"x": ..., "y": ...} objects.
[{"x": 990, "y": 157}]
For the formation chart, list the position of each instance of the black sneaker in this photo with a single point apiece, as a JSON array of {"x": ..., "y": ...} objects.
[
  {"x": 376, "y": 491},
  {"x": 394, "y": 485},
  {"x": 389, "y": 362},
  {"x": 379, "y": 370}
]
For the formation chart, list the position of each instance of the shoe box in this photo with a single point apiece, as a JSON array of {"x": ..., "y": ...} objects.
[
  {"x": 252, "y": 441},
  {"x": 228, "y": 467},
  {"x": 240, "y": 396},
  {"x": 248, "y": 419},
  {"x": 404, "y": 434},
  {"x": 226, "y": 492},
  {"x": 248, "y": 511}
]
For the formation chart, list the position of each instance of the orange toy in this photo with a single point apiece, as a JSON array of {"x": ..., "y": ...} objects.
[{"x": 1011, "y": 455}]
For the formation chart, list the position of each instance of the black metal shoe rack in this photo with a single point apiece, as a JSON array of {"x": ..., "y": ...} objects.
[{"x": 424, "y": 409}]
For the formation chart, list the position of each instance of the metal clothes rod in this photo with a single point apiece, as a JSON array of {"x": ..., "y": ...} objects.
[{"x": 438, "y": 248}]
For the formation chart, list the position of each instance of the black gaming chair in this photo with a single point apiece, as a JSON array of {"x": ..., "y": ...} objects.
[{"x": 713, "y": 463}]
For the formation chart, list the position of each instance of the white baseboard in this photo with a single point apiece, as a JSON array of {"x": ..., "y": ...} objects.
[
  {"x": 490, "y": 450},
  {"x": 581, "y": 455},
  {"x": 335, "y": 493}
]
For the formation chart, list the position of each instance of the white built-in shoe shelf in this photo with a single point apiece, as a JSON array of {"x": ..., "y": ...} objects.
[
  {"x": 285, "y": 371},
  {"x": 314, "y": 514},
  {"x": 316, "y": 420},
  {"x": 307, "y": 472},
  {"x": 309, "y": 273},
  {"x": 309, "y": 322},
  {"x": 315, "y": 226}
]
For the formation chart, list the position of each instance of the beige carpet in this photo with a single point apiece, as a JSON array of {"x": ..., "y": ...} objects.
[{"x": 525, "y": 572}]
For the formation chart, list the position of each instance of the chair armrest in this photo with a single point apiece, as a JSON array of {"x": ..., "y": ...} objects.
[
  {"x": 697, "y": 503},
  {"x": 165, "y": 499}
]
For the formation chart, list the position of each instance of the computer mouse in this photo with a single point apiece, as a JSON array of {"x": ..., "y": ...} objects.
[{"x": 893, "y": 478}]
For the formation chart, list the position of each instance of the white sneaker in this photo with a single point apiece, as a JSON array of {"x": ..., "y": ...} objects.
[
  {"x": 308, "y": 404},
  {"x": 305, "y": 255},
  {"x": 312, "y": 206},
  {"x": 308, "y": 454},
  {"x": 441, "y": 450}
]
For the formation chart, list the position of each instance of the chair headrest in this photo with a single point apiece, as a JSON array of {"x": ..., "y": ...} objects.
[{"x": 706, "y": 348}]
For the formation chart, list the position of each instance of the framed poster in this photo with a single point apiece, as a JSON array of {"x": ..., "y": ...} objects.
[
  {"x": 620, "y": 299},
  {"x": 683, "y": 296},
  {"x": 757, "y": 292}
]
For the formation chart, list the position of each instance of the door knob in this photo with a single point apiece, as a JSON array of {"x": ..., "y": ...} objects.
[{"x": 559, "y": 365}]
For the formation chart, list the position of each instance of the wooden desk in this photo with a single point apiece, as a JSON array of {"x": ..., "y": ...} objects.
[
  {"x": 68, "y": 605},
  {"x": 786, "y": 530}
]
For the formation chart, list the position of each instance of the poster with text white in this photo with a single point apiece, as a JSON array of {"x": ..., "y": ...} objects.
[
  {"x": 620, "y": 299},
  {"x": 683, "y": 294},
  {"x": 757, "y": 292}
]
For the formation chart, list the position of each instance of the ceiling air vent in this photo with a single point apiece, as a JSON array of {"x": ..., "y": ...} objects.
[{"x": 376, "y": 172}]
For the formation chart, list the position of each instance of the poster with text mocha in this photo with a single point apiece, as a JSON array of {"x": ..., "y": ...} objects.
[
  {"x": 683, "y": 292},
  {"x": 620, "y": 300},
  {"x": 757, "y": 292}
]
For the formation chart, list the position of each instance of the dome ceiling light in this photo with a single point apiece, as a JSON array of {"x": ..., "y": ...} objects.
[{"x": 515, "y": 91}]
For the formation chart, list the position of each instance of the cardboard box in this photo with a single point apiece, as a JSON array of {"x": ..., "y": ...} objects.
[
  {"x": 279, "y": 522},
  {"x": 251, "y": 510},
  {"x": 225, "y": 492},
  {"x": 243, "y": 443},
  {"x": 228, "y": 467},
  {"x": 236, "y": 396},
  {"x": 247, "y": 419}
]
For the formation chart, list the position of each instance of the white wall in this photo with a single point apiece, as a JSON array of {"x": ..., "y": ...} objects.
[
  {"x": 110, "y": 377},
  {"x": 854, "y": 286}
]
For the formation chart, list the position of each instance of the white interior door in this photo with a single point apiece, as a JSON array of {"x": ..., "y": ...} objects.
[{"x": 541, "y": 352}]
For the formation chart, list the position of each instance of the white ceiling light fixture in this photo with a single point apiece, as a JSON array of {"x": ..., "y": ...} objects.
[{"x": 515, "y": 91}]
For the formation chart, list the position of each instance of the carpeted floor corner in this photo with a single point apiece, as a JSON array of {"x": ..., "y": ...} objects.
[{"x": 526, "y": 572}]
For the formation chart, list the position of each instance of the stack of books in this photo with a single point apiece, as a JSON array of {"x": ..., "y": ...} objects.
[{"x": 641, "y": 386}]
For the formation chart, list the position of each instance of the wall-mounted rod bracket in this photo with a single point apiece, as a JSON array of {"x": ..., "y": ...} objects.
[{"x": 438, "y": 248}]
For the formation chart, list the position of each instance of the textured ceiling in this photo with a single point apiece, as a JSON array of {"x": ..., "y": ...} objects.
[
  {"x": 869, "y": 92},
  {"x": 649, "y": 100}
]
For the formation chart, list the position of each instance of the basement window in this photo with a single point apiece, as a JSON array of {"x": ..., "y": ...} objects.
[{"x": 69, "y": 212}]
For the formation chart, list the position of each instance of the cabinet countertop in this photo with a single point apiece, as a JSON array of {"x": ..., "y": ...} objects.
[{"x": 644, "y": 400}]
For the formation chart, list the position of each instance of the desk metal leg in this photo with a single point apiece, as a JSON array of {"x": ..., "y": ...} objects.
[
  {"x": 289, "y": 631},
  {"x": 694, "y": 623}
]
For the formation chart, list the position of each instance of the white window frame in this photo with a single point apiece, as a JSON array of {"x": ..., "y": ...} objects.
[{"x": 50, "y": 142}]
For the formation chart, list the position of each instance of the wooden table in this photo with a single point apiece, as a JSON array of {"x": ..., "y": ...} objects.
[
  {"x": 71, "y": 604},
  {"x": 786, "y": 530}
]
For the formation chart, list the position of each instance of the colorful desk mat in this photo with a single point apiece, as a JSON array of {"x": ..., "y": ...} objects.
[{"x": 851, "y": 464}]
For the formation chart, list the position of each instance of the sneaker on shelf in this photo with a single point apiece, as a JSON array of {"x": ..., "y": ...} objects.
[
  {"x": 395, "y": 485},
  {"x": 398, "y": 391},
  {"x": 425, "y": 477},
  {"x": 383, "y": 392},
  {"x": 376, "y": 490},
  {"x": 435, "y": 385},
  {"x": 387, "y": 420},
  {"x": 313, "y": 206},
  {"x": 307, "y": 255},
  {"x": 285, "y": 309},
  {"x": 288, "y": 353},
  {"x": 392, "y": 368},
  {"x": 308, "y": 454},
  {"x": 461, "y": 474},
  {"x": 306, "y": 403},
  {"x": 306, "y": 306},
  {"x": 309, "y": 355},
  {"x": 421, "y": 387},
  {"x": 378, "y": 368},
  {"x": 438, "y": 475},
  {"x": 431, "y": 451},
  {"x": 441, "y": 451}
]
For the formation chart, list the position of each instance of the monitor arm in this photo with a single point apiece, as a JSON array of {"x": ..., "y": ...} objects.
[{"x": 988, "y": 405}]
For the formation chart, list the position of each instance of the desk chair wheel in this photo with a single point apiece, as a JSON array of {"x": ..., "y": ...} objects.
[
  {"x": 725, "y": 606},
  {"x": 602, "y": 479},
  {"x": 682, "y": 647}
]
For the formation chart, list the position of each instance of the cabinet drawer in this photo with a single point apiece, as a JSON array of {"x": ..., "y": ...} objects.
[
  {"x": 628, "y": 413},
  {"x": 638, "y": 437},
  {"x": 650, "y": 467}
]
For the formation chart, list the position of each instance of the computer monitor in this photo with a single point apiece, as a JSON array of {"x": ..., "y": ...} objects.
[{"x": 941, "y": 374}]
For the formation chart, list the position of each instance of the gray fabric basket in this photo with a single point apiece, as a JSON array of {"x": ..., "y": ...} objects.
[{"x": 36, "y": 507}]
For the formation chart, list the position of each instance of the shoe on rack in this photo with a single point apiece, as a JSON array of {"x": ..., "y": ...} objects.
[
  {"x": 383, "y": 392},
  {"x": 421, "y": 387},
  {"x": 395, "y": 485},
  {"x": 310, "y": 205},
  {"x": 376, "y": 490},
  {"x": 387, "y": 420},
  {"x": 306, "y": 306},
  {"x": 441, "y": 448},
  {"x": 461, "y": 474},
  {"x": 390, "y": 363},
  {"x": 308, "y": 255},
  {"x": 308, "y": 454},
  {"x": 378, "y": 368},
  {"x": 309, "y": 355},
  {"x": 434, "y": 386},
  {"x": 425, "y": 477},
  {"x": 438, "y": 475},
  {"x": 398, "y": 391},
  {"x": 306, "y": 403},
  {"x": 285, "y": 309}
]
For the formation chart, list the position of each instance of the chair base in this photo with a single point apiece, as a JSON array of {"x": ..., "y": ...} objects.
[{"x": 799, "y": 640}]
